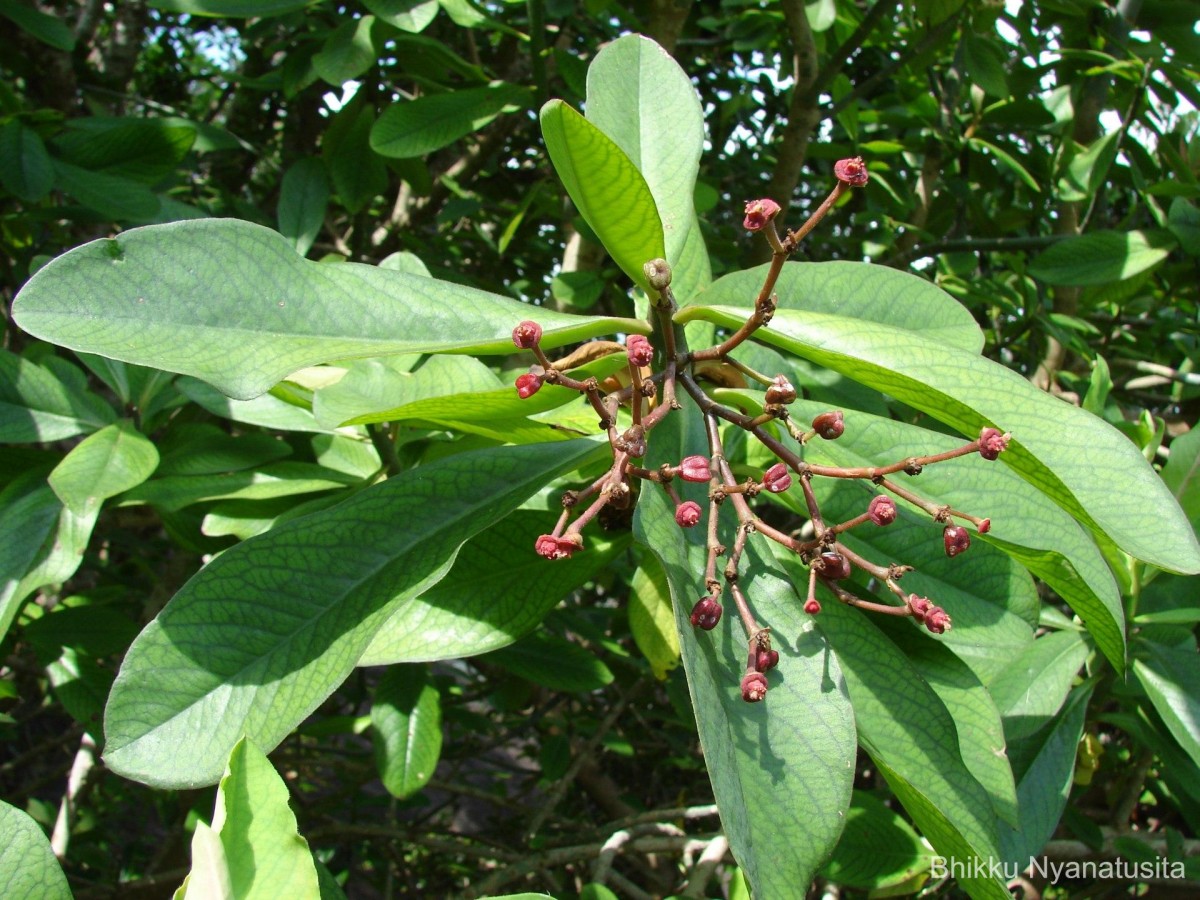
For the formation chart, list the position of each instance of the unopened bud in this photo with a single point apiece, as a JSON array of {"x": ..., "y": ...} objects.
[
  {"x": 937, "y": 621},
  {"x": 781, "y": 391},
  {"x": 765, "y": 660},
  {"x": 658, "y": 273},
  {"x": 834, "y": 566},
  {"x": 956, "y": 538},
  {"x": 829, "y": 425},
  {"x": 812, "y": 607},
  {"x": 777, "y": 479},
  {"x": 687, "y": 514},
  {"x": 528, "y": 385},
  {"x": 882, "y": 510},
  {"x": 638, "y": 349},
  {"x": 694, "y": 468},
  {"x": 706, "y": 613},
  {"x": 992, "y": 443},
  {"x": 527, "y": 334}
]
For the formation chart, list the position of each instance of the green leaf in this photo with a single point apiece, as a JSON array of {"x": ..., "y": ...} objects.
[
  {"x": 202, "y": 449},
  {"x": 50, "y": 30},
  {"x": 470, "y": 611},
  {"x": 25, "y": 167},
  {"x": 1085, "y": 465},
  {"x": 115, "y": 197},
  {"x": 1181, "y": 474},
  {"x": 1101, "y": 257},
  {"x": 266, "y": 410},
  {"x": 280, "y": 479},
  {"x": 878, "y": 849},
  {"x": 412, "y": 16},
  {"x": 316, "y": 588},
  {"x": 1006, "y": 159},
  {"x": 799, "y": 742},
  {"x": 1086, "y": 172},
  {"x": 1047, "y": 764},
  {"x": 348, "y": 52},
  {"x": 81, "y": 684},
  {"x": 210, "y": 878},
  {"x": 31, "y": 512},
  {"x": 41, "y": 404},
  {"x": 231, "y": 303},
  {"x": 651, "y": 618},
  {"x": 607, "y": 189},
  {"x": 553, "y": 663},
  {"x": 141, "y": 150},
  {"x": 358, "y": 173},
  {"x": 303, "y": 198},
  {"x": 640, "y": 98},
  {"x": 984, "y": 65},
  {"x": 113, "y": 460},
  {"x": 1171, "y": 679},
  {"x": 28, "y": 867},
  {"x": 429, "y": 123},
  {"x": 1034, "y": 686},
  {"x": 266, "y": 856},
  {"x": 1183, "y": 220},
  {"x": 908, "y": 732},
  {"x": 236, "y": 9},
  {"x": 821, "y": 14},
  {"x": 406, "y": 715}
]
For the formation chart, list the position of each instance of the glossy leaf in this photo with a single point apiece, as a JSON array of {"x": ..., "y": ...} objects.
[
  {"x": 878, "y": 849},
  {"x": 303, "y": 197},
  {"x": 1171, "y": 680},
  {"x": 30, "y": 514},
  {"x": 406, "y": 718},
  {"x": 1085, "y": 465},
  {"x": 358, "y": 173},
  {"x": 651, "y": 618},
  {"x": 114, "y": 459},
  {"x": 28, "y": 867},
  {"x": 471, "y": 611},
  {"x": 412, "y": 16},
  {"x": 553, "y": 663},
  {"x": 348, "y": 52},
  {"x": 1100, "y": 257},
  {"x": 25, "y": 166},
  {"x": 417, "y": 127},
  {"x": 640, "y": 98},
  {"x": 231, "y": 303},
  {"x": 38, "y": 404},
  {"x": 1036, "y": 683},
  {"x": 333, "y": 579},
  {"x": 606, "y": 187},
  {"x": 280, "y": 479},
  {"x": 799, "y": 742}
]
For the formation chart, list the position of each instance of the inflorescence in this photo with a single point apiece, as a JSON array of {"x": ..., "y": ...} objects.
[{"x": 828, "y": 560}]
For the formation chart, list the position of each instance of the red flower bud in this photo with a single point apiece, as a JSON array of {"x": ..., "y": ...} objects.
[
  {"x": 937, "y": 621},
  {"x": 552, "y": 547},
  {"x": 992, "y": 443},
  {"x": 706, "y": 613},
  {"x": 829, "y": 425},
  {"x": 919, "y": 607},
  {"x": 834, "y": 566},
  {"x": 754, "y": 687},
  {"x": 694, "y": 468},
  {"x": 956, "y": 538},
  {"x": 759, "y": 213},
  {"x": 528, "y": 385},
  {"x": 527, "y": 334},
  {"x": 687, "y": 514},
  {"x": 882, "y": 510},
  {"x": 851, "y": 171},
  {"x": 781, "y": 391},
  {"x": 765, "y": 660},
  {"x": 985, "y": 526},
  {"x": 638, "y": 349},
  {"x": 812, "y": 607},
  {"x": 777, "y": 479}
]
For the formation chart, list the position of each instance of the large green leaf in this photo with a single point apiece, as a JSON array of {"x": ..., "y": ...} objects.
[
  {"x": 1035, "y": 684},
  {"x": 1101, "y": 257},
  {"x": 797, "y": 744},
  {"x": 878, "y": 848},
  {"x": 472, "y": 611},
  {"x": 406, "y": 715},
  {"x": 639, "y": 96},
  {"x": 1087, "y": 466},
  {"x": 303, "y": 197},
  {"x": 280, "y": 479},
  {"x": 31, "y": 511},
  {"x": 44, "y": 404},
  {"x": 102, "y": 465},
  {"x": 906, "y": 728},
  {"x": 264, "y": 633},
  {"x": 554, "y": 663},
  {"x": 1171, "y": 680},
  {"x": 27, "y": 864},
  {"x": 607, "y": 188},
  {"x": 429, "y": 123},
  {"x": 230, "y": 302},
  {"x": 25, "y": 166}
]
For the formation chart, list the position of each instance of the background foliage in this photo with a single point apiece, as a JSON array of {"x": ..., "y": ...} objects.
[{"x": 1037, "y": 161}]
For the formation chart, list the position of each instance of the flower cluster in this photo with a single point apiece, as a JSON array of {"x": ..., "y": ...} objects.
[{"x": 629, "y": 413}]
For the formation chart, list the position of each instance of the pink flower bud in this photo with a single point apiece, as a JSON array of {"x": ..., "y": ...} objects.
[
  {"x": 694, "y": 468},
  {"x": 765, "y": 660},
  {"x": 985, "y": 526},
  {"x": 759, "y": 213},
  {"x": 956, "y": 539},
  {"x": 812, "y": 607},
  {"x": 777, "y": 479},
  {"x": 937, "y": 621},
  {"x": 687, "y": 514},
  {"x": 706, "y": 613},
  {"x": 754, "y": 687},
  {"x": 528, "y": 385},
  {"x": 919, "y": 607},
  {"x": 851, "y": 171},
  {"x": 829, "y": 425},
  {"x": 527, "y": 334},
  {"x": 781, "y": 391},
  {"x": 992, "y": 443},
  {"x": 638, "y": 349},
  {"x": 882, "y": 510}
]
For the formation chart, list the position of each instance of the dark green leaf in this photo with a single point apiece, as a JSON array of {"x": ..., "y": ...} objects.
[
  {"x": 406, "y": 715},
  {"x": 303, "y": 198},
  {"x": 1034, "y": 686},
  {"x": 358, "y": 173},
  {"x": 1101, "y": 257},
  {"x": 1006, "y": 159},
  {"x": 48, "y": 29},
  {"x": 1171, "y": 679},
  {"x": 28, "y": 867},
  {"x": 242, "y": 9},
  {"x": 143, "y": 151},
  {"x": 348, "y": 52},
  {"x": 25, "y": 167},
  {"x": 984, "y": 65},
  {"x": 1182, "y": 474},
  {"x": 232, "y": 303},
  {"x": 429, "y": 123},
  {"x": 113, "y": 196},
  {"x": 38, "y": 405},
  {"x": 553, "y": 663},
  {"x": 878, "y": 848},
  {"x": 412, "y": 16},
  {"x": 30, "y": 513},
  {"x": 315, "y": 589}
]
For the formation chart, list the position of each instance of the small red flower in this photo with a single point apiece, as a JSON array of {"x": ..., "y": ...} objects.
[
  {"x": 552, "y": 547},
  {"x": 829, "y": 425},
  {"x": 527, "y": 334},
  {"x": 638, "y": 349},
  {"x": 694, "y": 468},
  {"x": 882, "y": 510},
  {"x": 937, "y": 621},
  {"x": 851, "y": 171},
  {"x": 759, "y": 213},
  {"x": 706, "y": 613},
  {"x": 812, "y": 607},
  {"x": 992, "y": 443},
  {"x": 956, "y": 539},
  {"x": 781, "y": 391},
  {"x": 754, "y": 687},
  {"x": 919, "y": 607},
  {"x": 777, "y": 479},
  {"x": 528, "y": 385},
  {"x": 687, "y": 514}
]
